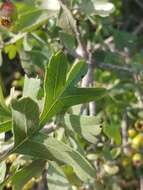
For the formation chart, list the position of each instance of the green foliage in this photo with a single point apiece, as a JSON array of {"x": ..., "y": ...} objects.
[{"x": 70, "y": 88}]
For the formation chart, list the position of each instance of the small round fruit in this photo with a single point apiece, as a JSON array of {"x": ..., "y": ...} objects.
[
  {"x": 125, "y": 162},
  {"x": 137, "y": 141},
  {"x": 139, "y": 125},
  {"x": 8, "y": 8},
  {"x": 137, "y": 159},
  {"x": 11, "y": 158},
  {"x": 132, "y": 133},
  {"x": 8, "y": 14},
  {"x": 29, "y": 184},
  {"x": 111, "y": 169}
]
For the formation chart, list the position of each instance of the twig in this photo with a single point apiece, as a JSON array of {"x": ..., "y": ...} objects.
[
  {"x": 141, "y": 182},
  {"x": 139, "y": 93},
  {"x": 106, "y": 42},
  {"x": 139, "y": 3},
  {"x": 84, "y": 52},
  {"x": 107, "y": 66},
  {"x": 87, "y": 81},
  {"x": 124, "y": 129},
  {"x": 139, "y": 28},
  {"x": 127, "y": 184},
  {"x": 49, "y": 128},
  {"x": 112, "y": 67}
]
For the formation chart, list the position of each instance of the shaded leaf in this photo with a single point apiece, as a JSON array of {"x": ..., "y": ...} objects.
[
  {"x": 21, "y": 177},
  {"x": 33, "y": 19},
  {"x": 86, "y": 126},
  {"x": 56, "y": 178},
  {"x": 112, "y": 130},
  {"x": 2, "y": 171},
  {"x": 25, "y": 115},
  {"x": 31, "y": 87},
  {"x": 44, "y": 147}
]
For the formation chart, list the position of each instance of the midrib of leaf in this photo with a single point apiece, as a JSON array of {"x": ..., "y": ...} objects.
[
  {"x": 57, "y": 72},
  {"x": 54, "y": 103},
  {"x": 25, "y": 123},
  {"x": 60, "y": 101},
  {"x": 13, "y": 150},
  {"x": 20, "y": 144},
  {"x": 74, "y": 95},
  {"x": 67, "y": 85}
]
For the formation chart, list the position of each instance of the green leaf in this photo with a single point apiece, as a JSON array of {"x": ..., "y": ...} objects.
[
  {"x": 112, "y": 130},
  {"x": 4, "y": 113},
  {"x": 56, "y": 178},
  {"x": 97, "y": 7},
  {"x": 33, "y": 19},
  {"x": 31, "y": 87},
  {"x": 60, "y": 92},
  {"x": 82, "y": 95},
  {"x": 25, "y": 115},
  {"x": 2, "y": 100},
  {"x": 67, "y": 40},
  {"x": 42, "y": 146},
  {"x": 2, "y": 171},
  {"x": 20, "y": 178},
  {"x": 86, "y": 126},
  {"x": 124, "y": 39},
  {"x": 11, "y": 50},
  {"x": 76, "y": 72},
  {"x": 66, "y": 20},
  {"x": 50, "y": 5},
  {"x": 5, "y": 126},
  {"x": 1, "y": 58}
]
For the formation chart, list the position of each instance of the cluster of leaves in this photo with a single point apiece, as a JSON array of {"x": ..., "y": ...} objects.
[{"x": 49, "y": 133}]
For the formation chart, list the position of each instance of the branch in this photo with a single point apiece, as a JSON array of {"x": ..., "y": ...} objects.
[
  {"x": 106, "y": 66},
  {"x": 82, "y": 51},
  {"x": 139, "y": 28},
  {"x": 138, "y": 91},
  {"x": 117, "y": 68},
  {"x": 49, "y": 128},
  {"x": 141, "y": 182},
  {"x": 124, "y": 129},
  {"x": 139, "y": 3},
  {"x": 126, "y": 184}
]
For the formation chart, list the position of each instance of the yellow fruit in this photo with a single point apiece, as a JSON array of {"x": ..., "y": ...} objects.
[
  {"x": 8, "y": 14},
  {"x": 29, "y": 184},
  {"x": 8, "y": 185},
  {"x": 11, "y": 158},
  {"x": 137, "y": 141},
  {"x": 37, "y": 180},
  {"x": 137, "y": 159},
  {"x": 132, "y": 133},
  {"x": 139, "y": 125},
  {"x": 111, "y": 169},
  {"x": 125, "y": 162}
]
